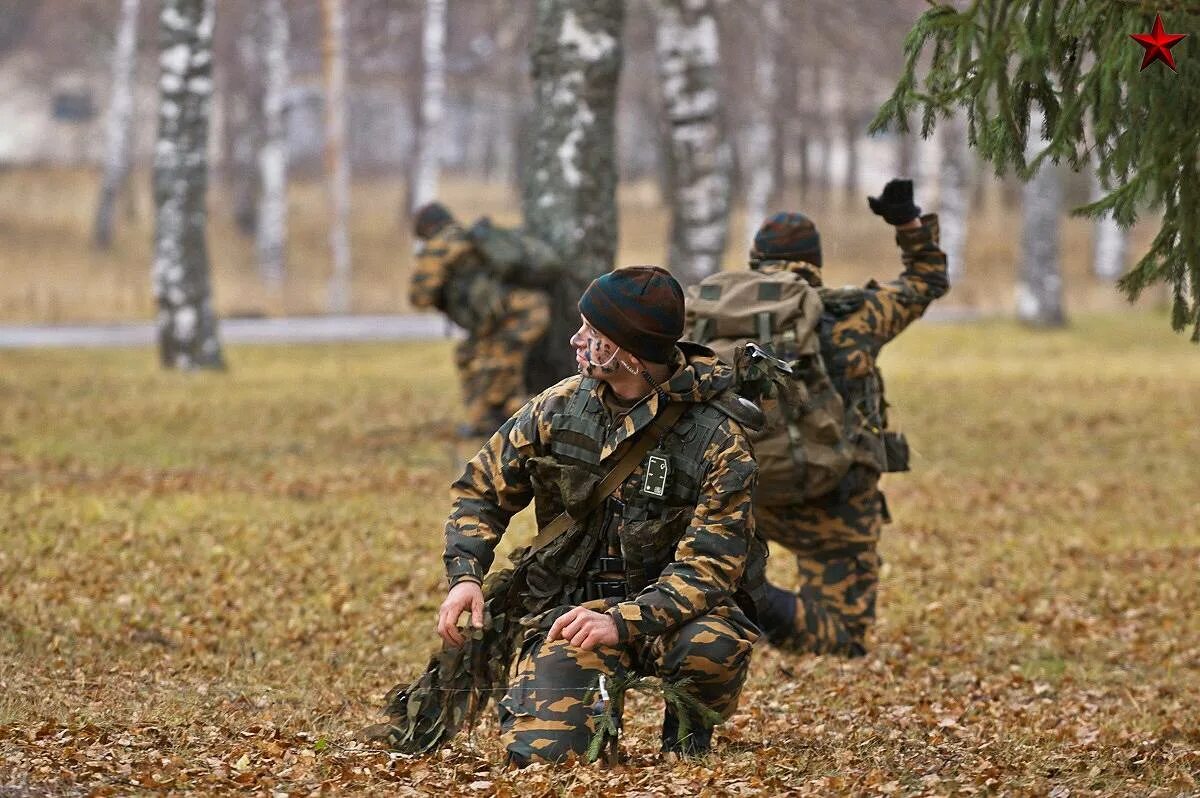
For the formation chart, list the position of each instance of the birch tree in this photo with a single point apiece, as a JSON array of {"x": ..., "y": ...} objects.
[
  {"x": 119, "y": 124},
  {"x": 569, "y": 190},
  {"x": 337, "y": 166},
  {"x": 687, "y": 48},
  {"x": 1039, "y": 284},
  {"x": 427, "y": 163},
  {"x": 187, "y": 325},
  {"x": 758, "y": 157},
  {"x": 244, "y": 123},
  {"x": 273, "y": 155},
  {"x": 1110, "y": 241},
  {"x": 954, "y": 200}
]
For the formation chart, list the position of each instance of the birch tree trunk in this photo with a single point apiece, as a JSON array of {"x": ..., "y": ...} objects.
[
  {"x": 427, "y": 163},
  {"x": 954, "y": 201},
  {"x": 906, "y": 153},
  {"x": 852, "y": 129},
  {"x": 758, "y": 157},
  {"x": 698, "y": 158},
  {"x": 337, "y": 166},
  {"x": 569, "y": 189},
  {"x": 119, "y": 125},
  {"x": 1039, "y": 285},
  {"x": 1110, "y": 242},
  {"x": 273, "y": 155},
  {"x": 819, "y": 131},
  {"x": 245, "y": 123},
  {"x": 187, "y": 326}
]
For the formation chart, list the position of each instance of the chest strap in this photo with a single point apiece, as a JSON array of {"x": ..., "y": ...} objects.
[{"x": 613, "y": 479}]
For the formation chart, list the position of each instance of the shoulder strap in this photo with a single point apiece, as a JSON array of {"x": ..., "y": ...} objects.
[{"x": 613, "y": 479}]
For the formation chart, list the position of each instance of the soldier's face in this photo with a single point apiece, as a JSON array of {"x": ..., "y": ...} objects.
[{"x": 595, "y": 354}]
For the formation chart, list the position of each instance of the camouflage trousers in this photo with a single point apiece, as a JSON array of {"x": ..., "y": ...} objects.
[
  {"x": 491, "y": 362},
  {"x": 834, "y": 540},
  {"x": 544, "y": 714}
]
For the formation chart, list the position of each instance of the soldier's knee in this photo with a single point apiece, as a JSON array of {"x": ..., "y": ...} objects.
[{"x": 707, "y": 649}]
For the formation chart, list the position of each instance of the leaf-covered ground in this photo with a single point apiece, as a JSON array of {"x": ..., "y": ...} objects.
[{"x": 208, "y": 582}]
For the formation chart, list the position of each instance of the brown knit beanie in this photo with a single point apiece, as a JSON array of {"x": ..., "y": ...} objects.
[{"x": 639, "y": 307}]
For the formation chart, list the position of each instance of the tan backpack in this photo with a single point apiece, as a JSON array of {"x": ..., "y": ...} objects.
[{"x": 801, "y": 451}]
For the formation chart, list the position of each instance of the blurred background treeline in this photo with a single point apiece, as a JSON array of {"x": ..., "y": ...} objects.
[{"x": 828, "y": 66}]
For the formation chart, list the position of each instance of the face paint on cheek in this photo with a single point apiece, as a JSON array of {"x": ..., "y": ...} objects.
[{"x": 602, "y": 361}]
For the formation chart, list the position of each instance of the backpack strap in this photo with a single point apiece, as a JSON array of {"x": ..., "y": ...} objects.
[{"x": 613, "y": 479}]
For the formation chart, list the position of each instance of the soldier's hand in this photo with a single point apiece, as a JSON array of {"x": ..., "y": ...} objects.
[
  {"x": 586, "y": 629},
  {"x": 895, "y": 204},
  {"x": 462, "y": 597}
]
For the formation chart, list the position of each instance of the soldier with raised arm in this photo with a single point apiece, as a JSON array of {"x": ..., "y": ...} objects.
[{"x": 835, "y": 537}]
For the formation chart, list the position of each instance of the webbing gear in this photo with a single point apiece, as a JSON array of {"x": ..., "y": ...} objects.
[
  {"x": 765, "y": 324},
  {"x": 613, "y": 479}
]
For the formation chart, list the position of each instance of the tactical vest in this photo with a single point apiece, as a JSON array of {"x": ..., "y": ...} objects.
[{"x": 645, "y": 528}]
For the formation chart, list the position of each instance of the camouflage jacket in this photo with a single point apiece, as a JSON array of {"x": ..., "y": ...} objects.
[
  {"x": 712, "y": 540},
  {"x": 859, "y": 321},
  {"x": 452, "y": 277}
]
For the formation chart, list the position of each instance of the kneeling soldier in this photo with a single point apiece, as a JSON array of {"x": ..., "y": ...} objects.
[
  {"x": 651, "y": 576},
  {"x": 835, "y": 538}
]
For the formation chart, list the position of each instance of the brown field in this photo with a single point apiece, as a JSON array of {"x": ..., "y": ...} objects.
[
  {"x": 208, "y": 581},
  {"x": 51, "y": 274}
]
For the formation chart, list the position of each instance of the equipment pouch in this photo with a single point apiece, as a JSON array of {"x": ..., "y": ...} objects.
[{"x": 895, "y": 452}]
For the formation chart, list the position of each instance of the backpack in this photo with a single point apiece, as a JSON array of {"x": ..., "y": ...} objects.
[
  {"x": 517, "y": 258},
  {"x": 766, "y": 327}
]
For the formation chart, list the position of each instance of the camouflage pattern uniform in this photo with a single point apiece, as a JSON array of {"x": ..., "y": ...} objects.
[
  {"x": 835, "y": 537},
  {"x": 670, "y": 571},
  {"x": 502, "y": 324}
]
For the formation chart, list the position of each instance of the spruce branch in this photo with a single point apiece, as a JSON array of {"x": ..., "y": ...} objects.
[{"x": 1003, "y": 61}]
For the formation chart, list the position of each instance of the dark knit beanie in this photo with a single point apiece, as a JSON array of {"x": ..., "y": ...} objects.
[
  {"x": 788, "y": 236},
  {"x": 430, "y": 218},
  {"x": 639, "y": 307}
]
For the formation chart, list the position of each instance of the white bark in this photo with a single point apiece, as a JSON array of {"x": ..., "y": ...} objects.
[
  {"x": 337, "y": 166},
  {"x": 954, "y": 201},
  {"x": 1039, "y": 284},
  {"x": 245, "y": 122},
  {"x": 187, "y": 326},
  {"x": 1110, "y": 241},
  {"x": 119, "y": 125},
  {"x": 687, "y": 47},
  {"x": 273, "y": 155},
  {"x": 758, "y": 159},
  {"x": 427, "y": 164}
]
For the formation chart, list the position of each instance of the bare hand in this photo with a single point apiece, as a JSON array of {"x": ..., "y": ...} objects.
[
  {"x": 586, "y": 629},
  {"x": 462, "y": 597}
]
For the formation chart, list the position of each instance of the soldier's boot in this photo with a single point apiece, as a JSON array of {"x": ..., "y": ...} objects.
[
  {"x": 805, "y": 623},
  {"x": 697, "y": 742},
  {"x": 777, "y": 615}
]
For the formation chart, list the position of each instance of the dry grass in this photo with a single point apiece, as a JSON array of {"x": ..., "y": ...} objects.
[
  {"x": 53, "y": 275},
  {"x": 207, "y": 582}
]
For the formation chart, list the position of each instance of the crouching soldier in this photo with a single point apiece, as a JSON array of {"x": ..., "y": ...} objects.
[
  {"x": 835, "y": 537},
  {"x": 503, "y": 318},
  {"x": 642, "y": 477}
]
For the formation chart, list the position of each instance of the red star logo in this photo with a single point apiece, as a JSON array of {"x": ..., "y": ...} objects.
[{"x": 1158, "y": 44}]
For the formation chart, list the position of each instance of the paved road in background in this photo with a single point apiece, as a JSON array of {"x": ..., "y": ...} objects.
[{"x": 293, "y": 330}]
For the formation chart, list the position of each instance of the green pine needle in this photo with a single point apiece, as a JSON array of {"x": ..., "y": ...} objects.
[{"x": 1072, "y": 62}]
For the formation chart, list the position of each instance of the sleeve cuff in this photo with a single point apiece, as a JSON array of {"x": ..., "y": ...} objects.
[
  {"x": 623, "y": 631},
  {"x": 917, "y": 238},
  {"x": 464, "y": 568}
]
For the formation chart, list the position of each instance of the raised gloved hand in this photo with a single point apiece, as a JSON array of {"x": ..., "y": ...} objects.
[{"x": 895, "y": 204}]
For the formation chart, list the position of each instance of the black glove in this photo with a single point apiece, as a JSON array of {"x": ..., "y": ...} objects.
[{"x": 895, "y": 204}]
